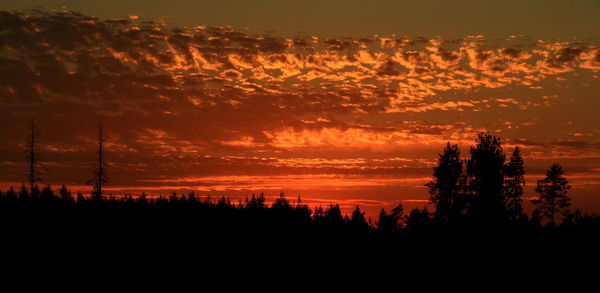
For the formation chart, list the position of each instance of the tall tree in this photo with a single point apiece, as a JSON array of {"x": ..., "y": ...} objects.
[
  {"x": 99, "y": 170},
  {"x": 446, "y": 186},
  {"x": 553, "y": 193},
  {"x": 32, "y": 155},
  {"x": 485, "y": 169},
  {"x": 514, "y": 181}
]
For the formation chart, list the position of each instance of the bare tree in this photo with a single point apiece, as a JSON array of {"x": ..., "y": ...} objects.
[
  {"x": 32, "y": 155},
  {"x": 99, "y": 170}
]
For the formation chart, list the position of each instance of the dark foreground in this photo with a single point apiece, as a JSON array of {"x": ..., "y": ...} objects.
[{"x": 188, "y": 225}]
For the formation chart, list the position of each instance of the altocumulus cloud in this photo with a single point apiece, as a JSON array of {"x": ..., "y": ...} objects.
[{"x": 202, "y": 101}]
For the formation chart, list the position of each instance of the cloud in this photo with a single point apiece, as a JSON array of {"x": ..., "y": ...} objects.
[
  {"x": 67, "y": 53},
  {"x": 211, "y": 100}
]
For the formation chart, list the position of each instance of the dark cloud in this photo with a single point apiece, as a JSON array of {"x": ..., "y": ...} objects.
[
  {"x": 511, "y": 52},
  {"x": 576, "y": 144},
  {"x": 525, "y": 142},
  {"x": 388, "y": 68},
  {"x": 568, "y": 54}
]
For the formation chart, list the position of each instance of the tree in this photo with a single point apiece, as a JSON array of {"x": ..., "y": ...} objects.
[
  {"x": 11, "y": 194},
  {"x": 445, "y": 188},
  {"x": 32, "y": 155},
  {"x": 390, "y": 222},
  {"x": 485, "y": 169},
  {"x": 514, "y": 181},
  {"x": 282, "y": 203},
  {"x": 99, "y": 171},
  {"x": 358, "y": 221},
  {"x": 23, "y": 193},
  {"x": 65, "y": 194},
  {"x": 47, "y": 192},
  {"x": 419, "y": 220},
  {"x": 318, "y": 214},
  {"x": 256, "y": 203},
  {"x": 553, "y": 193},
  {"x": 333, "y": 216}
]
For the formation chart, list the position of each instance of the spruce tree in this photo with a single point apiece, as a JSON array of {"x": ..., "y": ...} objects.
[
  {"x": 514, "y": 182},
  {"x": 485, "y": 169},
  {"x": 445, "y": 188},
  {"x": 553, "y": 193}
]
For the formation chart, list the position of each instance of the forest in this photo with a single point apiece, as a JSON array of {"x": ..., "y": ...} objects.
[{"x": 480, "y": 194}]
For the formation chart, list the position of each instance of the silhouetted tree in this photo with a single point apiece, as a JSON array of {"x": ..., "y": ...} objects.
[
  {"x": 99, "y": 171},
  {"x": 536, "y": 219},
  {"x": 142, "y": 199},
  {"x": 33, "y": 158},
  {"x": 553, "y": 193},
  {"x": 47, "y": 192},
  {"x": 223, "y": 203},
  {"x": 485, "y": 169},
  {"x": 445, "y": 188},
  {"x": 318, "y": 214},
  {"x": 357, "y": 221},
  {"x": 333, "y": 217},
  {"x": 281, "y": 203},
  {"x": 514, "y": 181},
  {"x": 80, "y": 197},
  {"x": 256, "y": 202},
  {"x": 419, "y": 220},
  {"x": 302, "y": 211},
  {"x": 36, "y": 191},
  {"x": 23, "y": 193},
  {"x": 390, "y": 222},
  {"x": 172, "y": 216},
  {"x": 570, "y": 219},
  {"x": 65, "y": 194},
  {"x": 11, "y": 194}
]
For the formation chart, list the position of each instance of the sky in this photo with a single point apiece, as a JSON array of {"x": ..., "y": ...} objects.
[{"x": 331, "y": 101}]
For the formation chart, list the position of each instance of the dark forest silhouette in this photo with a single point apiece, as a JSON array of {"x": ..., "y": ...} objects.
[{"x": 480, "y": 194}]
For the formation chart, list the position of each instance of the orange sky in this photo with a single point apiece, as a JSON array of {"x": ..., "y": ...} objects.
[{"x": 226, "y": 111}]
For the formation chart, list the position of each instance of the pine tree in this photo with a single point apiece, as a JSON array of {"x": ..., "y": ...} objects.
[
  {"x": 553, "y": 193},
  {"x": 23, "y": 193},
  {"x": 485, "y": 169},
  {"x": 65, "y": 194},
  {"x": 390, "y": 222},
  {"x": 419, "y": 220},
  {"x": 358, "y": 221},
  {"x": 333, "y": 216},
  {"x": 445, "y": 188},
  {"x": 514, "y": 182}
]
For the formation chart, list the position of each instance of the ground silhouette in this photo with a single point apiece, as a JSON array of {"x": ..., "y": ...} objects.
[{"x": 471, "y": 198}]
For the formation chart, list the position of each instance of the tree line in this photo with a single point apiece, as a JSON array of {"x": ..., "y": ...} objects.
[{"x": 481, "y": 193}]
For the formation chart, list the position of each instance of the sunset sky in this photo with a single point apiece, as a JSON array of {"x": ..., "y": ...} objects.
[{"x": 345, "y": 101}]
